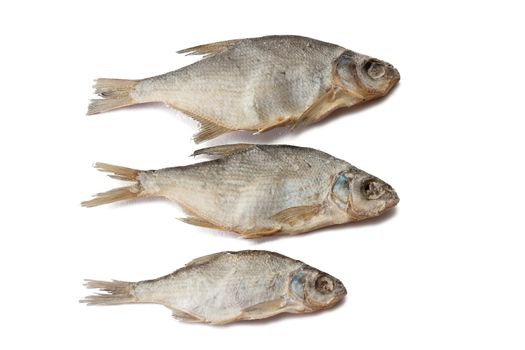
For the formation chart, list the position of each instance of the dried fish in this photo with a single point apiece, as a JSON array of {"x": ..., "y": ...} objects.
[
  {"x": 260, "y": 190},
  {"x": 257, "y": 84},
  {"x": 229, "y": 286}
]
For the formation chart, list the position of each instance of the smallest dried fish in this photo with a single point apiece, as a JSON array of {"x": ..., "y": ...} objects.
[{"x": 229, "y": 286}]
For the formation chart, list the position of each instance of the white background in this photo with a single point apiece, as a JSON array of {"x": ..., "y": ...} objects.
[{"x": 444, "y": 270}]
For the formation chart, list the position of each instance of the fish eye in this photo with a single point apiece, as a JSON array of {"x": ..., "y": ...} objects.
[
  {"x": 324, "y": 284},
  {"x": 372, "y": 189},
  {"x": 374, "y": 69}
]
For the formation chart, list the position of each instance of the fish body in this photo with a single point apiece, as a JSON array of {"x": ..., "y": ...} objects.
[
  {"x": 230, "y": 286},
  {"x": 261, "y": 190},
  {"x": 257, "y": 84}
]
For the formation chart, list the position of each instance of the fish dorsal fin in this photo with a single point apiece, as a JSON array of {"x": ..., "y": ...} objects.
[
  {"x": 295, "y": 215},
  {"x": 224, "y": 150},
  {"x": 204, "y": 259},
  {"x": 208, "y": 50}
]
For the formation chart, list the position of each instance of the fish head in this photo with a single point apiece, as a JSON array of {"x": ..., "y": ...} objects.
[
  {"x": 316, "y": 290},
  {"x": 362, "y": 195},
  {"x": 364, "y": 77}
]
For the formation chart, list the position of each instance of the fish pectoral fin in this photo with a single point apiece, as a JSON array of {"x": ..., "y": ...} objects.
[
  {"x": 325, "y": 104},
  {"x": 259, "y": 233},
  {"x": 328, "y": 102},
  {"x": 295, "y": 215},
  {"x": 193, "y": 220},
  {"x": 205, "y": 259},
  {"x": 211, "y": 49},
  {"x": 185, "y": 316},
  {"x": 224, "y": 150},
  {"x": 263, "y": 310}
]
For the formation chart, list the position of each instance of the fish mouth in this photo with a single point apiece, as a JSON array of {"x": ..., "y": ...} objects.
[
  {"x": 392, "y": 203},
  {"x": 393, "y": 200},
  {"x": 340, "y": 296},
  {"x": 360, "y": 215},
  {"x": 396, "y": 77}
]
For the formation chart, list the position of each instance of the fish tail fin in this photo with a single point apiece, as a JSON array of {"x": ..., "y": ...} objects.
[
  {"x": 114, "y": 293},
  {"x": 117, "y": 194},
  {"x": 115, "y": 93}
]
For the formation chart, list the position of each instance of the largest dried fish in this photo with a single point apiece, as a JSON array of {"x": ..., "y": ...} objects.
[
  {"x": 257, "y": 84},
  {"x": 230, "y": 286},
  {"x": 260, "y": 190}
]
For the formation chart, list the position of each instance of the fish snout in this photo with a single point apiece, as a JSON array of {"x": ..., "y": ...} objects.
[{"x": 391, "y": 198}]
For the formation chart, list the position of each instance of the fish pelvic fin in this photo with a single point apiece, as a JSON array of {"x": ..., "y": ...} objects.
[
  {"x": 186, "y": 316},
  {"x": 211, "y": 49},
  {"x": 114, "y": 293},
  {"x": 280, "y": 123},
  {"x": 259, "y": 233},
  {"x": 196, "y": 221},
  {"x": 115, "y": 94},
  {"x": 117, "y": 194}
]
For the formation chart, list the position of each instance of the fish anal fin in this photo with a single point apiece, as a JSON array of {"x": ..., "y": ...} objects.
[
  {"x": 263, "y": 310},
  {"x": 185, "y": 316},
  {"x": 295, "y": 215},
  {"x": 211, "y": 49},
  {"x": 207, "y": 129},
  {"x": 224, "y": 150}
]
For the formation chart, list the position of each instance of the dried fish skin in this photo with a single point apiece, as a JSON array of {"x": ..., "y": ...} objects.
[
  {"x": 229, "y": 286},
  {"x": 257, "y": 84},
  {"x": 260, "y": 190}
]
